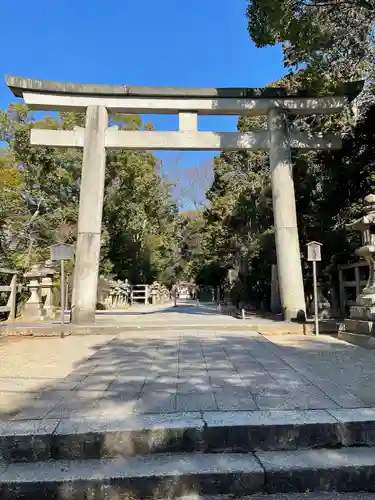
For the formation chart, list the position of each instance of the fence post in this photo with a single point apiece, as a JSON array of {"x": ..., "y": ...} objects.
[
  {"x": 12, "y": 298},
  {"x": 357, "y": 282},
  {"x": 342, "y": 293}
]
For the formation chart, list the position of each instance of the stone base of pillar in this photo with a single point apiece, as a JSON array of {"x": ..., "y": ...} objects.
[
  {"x": 365, "y": 341},
  {"x": 275, "y": 293},
  {"x": 85, "y": 278},
  {"x": 362, "y": 316},
  {"x": 358, "y": 326}
]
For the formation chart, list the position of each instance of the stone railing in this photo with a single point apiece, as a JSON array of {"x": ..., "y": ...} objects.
[
  {"x": 159, "y": 293},
  {"x": 40, "y": 304},
  {"x": 111, "y": 294},
  {"x": 121, "y": 294},
  {"x": 165, "y": 294},
  {"x": 114, "y": 294}
]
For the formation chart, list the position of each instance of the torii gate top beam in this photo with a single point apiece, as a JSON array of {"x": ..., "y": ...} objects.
[{"x": 60, "y": 96}]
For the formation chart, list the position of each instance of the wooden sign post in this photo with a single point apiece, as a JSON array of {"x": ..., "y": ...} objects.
[
  {"x": 62, "y": 252},
  {"x": 314, "y": 255}
]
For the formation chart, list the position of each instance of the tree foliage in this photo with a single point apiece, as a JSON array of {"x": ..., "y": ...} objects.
[
  {"x": 325, "y": 43},
  {"x": 39, "y": 197},
  {"x": 332, "y": 39},
  {"x": 238, "y": 231}
]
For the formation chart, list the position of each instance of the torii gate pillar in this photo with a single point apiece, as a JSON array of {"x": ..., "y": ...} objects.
[
  {"x": 86, "y": 267},
  {"x": 285, "y": 219}
]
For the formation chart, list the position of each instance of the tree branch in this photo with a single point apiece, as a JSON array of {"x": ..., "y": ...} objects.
[{"x": 366, "y": 4}]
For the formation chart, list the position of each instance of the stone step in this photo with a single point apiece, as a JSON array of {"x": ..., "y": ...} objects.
[
  {"x": 176, "y": 474},
  {"x": 96, "y": 438}
]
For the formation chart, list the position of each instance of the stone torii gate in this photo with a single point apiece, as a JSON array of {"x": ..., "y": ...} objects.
[{"x": 188, "y": 103}]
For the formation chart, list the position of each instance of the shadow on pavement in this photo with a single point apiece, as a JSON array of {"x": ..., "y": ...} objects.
[{"x": 130, "y": 376}]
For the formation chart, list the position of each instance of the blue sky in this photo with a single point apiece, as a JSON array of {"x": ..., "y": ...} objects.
[{"x": 143, "y": 42}]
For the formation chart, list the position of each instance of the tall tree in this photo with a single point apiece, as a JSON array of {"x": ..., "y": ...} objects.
[
  {"x": 332, "y": 39},
  {"x": 239, "y": 220}
]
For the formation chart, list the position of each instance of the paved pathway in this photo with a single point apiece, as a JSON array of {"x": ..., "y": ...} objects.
[
  {"x": 141, "y": 316},
  {"x": 186, "y": 314},
  {"x": 181, "y": 371},
  {"x": 138, "y": 316}
]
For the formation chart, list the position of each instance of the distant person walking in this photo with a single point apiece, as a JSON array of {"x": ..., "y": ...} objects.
[{"x": 175, "y": 294}]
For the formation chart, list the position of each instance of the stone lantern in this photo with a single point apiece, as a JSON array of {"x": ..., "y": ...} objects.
[
  {"x": 127, "y": 291},
  {"x": 33, "y": 308},
  {"x": 362, "y": 314},
  {"x": 155, "y": 292},
  {"x": 118, "y": 293}
]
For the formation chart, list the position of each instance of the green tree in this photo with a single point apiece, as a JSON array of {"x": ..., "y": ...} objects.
[
  {"x": 46, "y": 210},
  {"x": 334, "y": 35},
  {"x": 239, "y": 220},
  {"x": 39, "y": 193}
]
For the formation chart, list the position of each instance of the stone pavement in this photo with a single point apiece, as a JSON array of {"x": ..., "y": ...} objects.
[
  {"x": 141, "y": 316},
  {"x": 178, "y": 371},
  {"x": 188, "y": 315}
]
